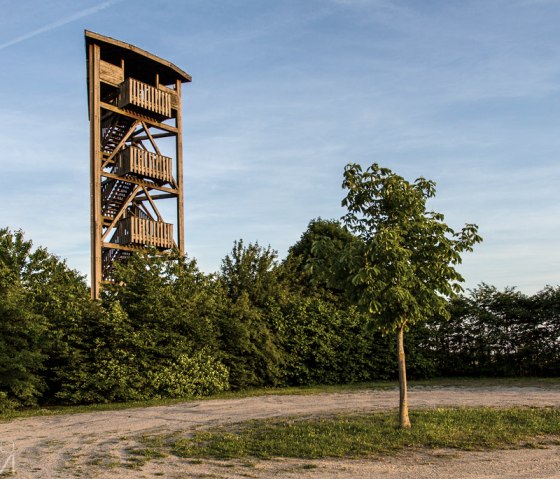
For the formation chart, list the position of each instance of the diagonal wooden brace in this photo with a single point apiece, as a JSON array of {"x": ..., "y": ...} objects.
[
  {"x": 121, "y": 144},
  {"x": 117, "y": 217}
]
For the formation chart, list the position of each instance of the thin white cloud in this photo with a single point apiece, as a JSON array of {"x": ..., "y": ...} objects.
[{"x": 60, "y": 23}]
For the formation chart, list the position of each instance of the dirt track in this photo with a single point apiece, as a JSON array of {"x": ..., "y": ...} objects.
[{"x": 97, "y": 444}]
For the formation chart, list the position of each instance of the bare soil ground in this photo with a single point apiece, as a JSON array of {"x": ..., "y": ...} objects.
[{"x": 97, "y": 445}]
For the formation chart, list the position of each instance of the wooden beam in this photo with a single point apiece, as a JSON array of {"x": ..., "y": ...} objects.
[
  {"x": 142, "y": 206},
  {"x": 154, "y": 135},
  {"x": 137, "y": 116},
  {"x": 141, "y": 183},
  {"x": 156, "y": 197},
  {"x": 111, "y": 74},
  {"x": 151, "y": 138},
  {"x": 122, "y": 247},
  {"x": 149, "y": 198},
  {"x": 133, "y": 249},
  {"x": 179, "y": 157},
  {"x": 94, "y": 89}
]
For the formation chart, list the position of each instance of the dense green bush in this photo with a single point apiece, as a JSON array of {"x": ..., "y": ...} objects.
[
  {"x": 153, "y": 336},
  {"x": 165, "y": 329},
  {"x": 326, "y": 344}
]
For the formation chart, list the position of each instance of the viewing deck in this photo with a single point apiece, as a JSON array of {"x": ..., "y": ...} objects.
[
  {"x": 143, "y": 232},
  {"x": 146, "y": 98},
  {"x": 146, "y": 164}
]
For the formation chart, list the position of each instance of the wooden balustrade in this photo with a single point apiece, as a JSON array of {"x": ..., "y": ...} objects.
[
  {"x": 145, "y": 97},
  {"x": 144, "y": 232},
  {"x": 145, "y": 163}
]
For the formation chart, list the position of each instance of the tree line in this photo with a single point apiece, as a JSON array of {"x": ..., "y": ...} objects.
[
  {"x": 166, "y": 329},
  {"x": 323, "y": 314}
]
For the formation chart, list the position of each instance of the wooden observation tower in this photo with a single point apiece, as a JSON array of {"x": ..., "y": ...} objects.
[{"x": 136, "y": 153}]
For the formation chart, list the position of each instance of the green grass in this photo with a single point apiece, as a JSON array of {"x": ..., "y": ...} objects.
[
  {"x": 56, "y": 410},
  {"x": 548, "y": 383},
  {"x": 376, "y": 434}
]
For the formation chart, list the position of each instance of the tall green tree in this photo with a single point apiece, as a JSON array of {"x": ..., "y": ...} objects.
[
  {"x": 61, "y": 296},
  {"x": 21, "y": 330},
  {"x": 249, "y": 275},
  {"x": 404, "y": 270}
]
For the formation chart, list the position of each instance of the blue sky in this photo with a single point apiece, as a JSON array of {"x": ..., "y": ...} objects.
[{"x": 284, "y": 94}]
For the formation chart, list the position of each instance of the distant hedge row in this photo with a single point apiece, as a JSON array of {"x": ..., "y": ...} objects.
[
  {"x": 498, "y": 333},
  {"x": 165, "y": 329}
]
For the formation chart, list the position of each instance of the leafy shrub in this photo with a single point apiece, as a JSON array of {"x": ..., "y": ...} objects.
[
  {"x": 198, "y": 375},
  {"x": 7, "y": 404}
]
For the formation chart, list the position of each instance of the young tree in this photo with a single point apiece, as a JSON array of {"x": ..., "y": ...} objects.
[{"x": 404, "y": 268}]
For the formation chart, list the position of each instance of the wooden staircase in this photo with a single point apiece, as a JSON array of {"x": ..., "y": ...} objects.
[
  {"x": 109, "y": 257},
  {"x": 114, "y": 193},
  {"x": 114, "y": 130}
]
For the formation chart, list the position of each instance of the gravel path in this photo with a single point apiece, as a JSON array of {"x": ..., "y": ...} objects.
[{"x": 97, "y": 444}]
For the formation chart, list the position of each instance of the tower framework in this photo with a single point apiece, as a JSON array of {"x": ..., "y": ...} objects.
[{"x": 135, "y": 153}]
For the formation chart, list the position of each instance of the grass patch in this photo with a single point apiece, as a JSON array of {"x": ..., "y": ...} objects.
[
  {"x": 376, "y": 434},
  {"x": 57, "y": 410},
  {"x": 147, "y": 453},
  {"x": 546, "y": 383}
]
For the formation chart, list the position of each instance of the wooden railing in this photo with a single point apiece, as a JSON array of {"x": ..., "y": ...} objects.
[
  {"x": 145, "y": 163},
  {"x": 146, "y": 97},
  {"x": 144, "y": 232}
]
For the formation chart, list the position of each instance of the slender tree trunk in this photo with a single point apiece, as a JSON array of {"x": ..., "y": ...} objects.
[{"x": 404, "y": 421}]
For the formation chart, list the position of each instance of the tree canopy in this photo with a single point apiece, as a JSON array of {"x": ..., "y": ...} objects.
[{"x": 405, "y": 267}]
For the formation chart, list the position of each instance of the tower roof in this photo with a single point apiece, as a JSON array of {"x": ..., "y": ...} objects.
[{"x": 136, "y": 59}]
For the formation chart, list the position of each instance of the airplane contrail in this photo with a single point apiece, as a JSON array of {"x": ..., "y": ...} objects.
[{"x": 59, "y": 23}]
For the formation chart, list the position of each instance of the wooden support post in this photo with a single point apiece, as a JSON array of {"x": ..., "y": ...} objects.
[
  {"x": 94, "y": 59},
  {"x": 179, "y": 159}
]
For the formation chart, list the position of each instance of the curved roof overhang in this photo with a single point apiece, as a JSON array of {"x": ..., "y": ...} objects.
[{"x": 135, "y": 58}]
